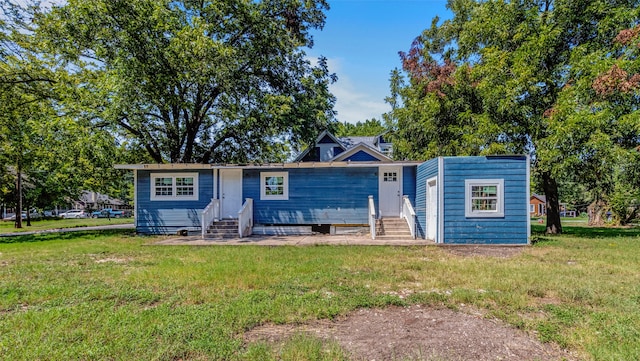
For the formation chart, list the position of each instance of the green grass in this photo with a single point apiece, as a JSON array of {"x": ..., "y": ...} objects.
[
  {"x": 105, "y": 295},
  {"x": 41, "y": 225}
]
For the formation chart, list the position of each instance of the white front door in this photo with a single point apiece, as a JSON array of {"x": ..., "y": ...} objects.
[
  {"x": 432, "y": 208},
  {"x": 230, "y": 192},
  {"x": 390, "y": 191}
]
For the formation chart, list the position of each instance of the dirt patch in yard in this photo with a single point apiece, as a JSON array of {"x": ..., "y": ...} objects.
[
  {"x": 418, "y": 333},
  {"x": 485, "y": 250}
]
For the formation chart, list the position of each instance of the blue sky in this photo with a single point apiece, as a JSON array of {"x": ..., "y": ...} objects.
[{"x": 361, "y": 40}]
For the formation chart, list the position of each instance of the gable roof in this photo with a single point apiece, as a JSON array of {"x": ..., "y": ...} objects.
[
  {"x": 361, "y": 147},
  {"x": 349, "y": 146},
  {"x": 541, "y": 198},
  {"x": 319, "y": 140}
]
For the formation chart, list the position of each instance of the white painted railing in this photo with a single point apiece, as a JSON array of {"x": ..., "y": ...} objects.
[
  {"x": 210, "y": 213},
  {"x": 245, "y": 218},
  {"x": 409, "y": 215},
  {"x": 372, "y": 218}
]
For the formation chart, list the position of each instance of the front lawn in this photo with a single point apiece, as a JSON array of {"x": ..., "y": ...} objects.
[
  {"x": 105, "y": 295},
  {"x": 45, "y": 224}
]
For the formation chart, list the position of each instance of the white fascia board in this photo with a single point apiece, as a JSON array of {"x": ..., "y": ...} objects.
[
  {"x": 318, "y": 165},
  {"x": 184, "y": 166},
  {"x": 168, "y": 166},
  {"x": 528, "y": 195},
  {"x": 440, "y": 185}
]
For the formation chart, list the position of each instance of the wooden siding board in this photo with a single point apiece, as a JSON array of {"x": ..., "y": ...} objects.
[
  {"x": 163, "y": 217},
  {"x": 361, "y": 156},
  {"x": 510, "y": 229},
  {"x": 316, "y": 196},
  {"x": 409, "y": 183},
  {"x": 424, "y": 171}
]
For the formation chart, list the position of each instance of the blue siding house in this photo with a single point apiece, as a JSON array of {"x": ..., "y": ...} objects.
[{"x": 341, "y": 183}]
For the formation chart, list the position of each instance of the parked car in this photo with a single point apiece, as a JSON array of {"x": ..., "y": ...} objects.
[
  {"x": 74, "y": 213},
  {"x": 32, "y": 215},
  {"x": 108, "y": 213}
]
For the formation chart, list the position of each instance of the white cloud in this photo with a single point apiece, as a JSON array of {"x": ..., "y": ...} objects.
[{"x": 354, "y": 103}]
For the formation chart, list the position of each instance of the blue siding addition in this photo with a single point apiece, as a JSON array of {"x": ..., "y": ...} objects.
[
  {"x": 510, "y": 229},
  {"x": 316, "y": 196},
  {"x": 361, "y": 156},
  {"x": 409, "y": 184},
  {"x": 166, "y": 217},
  {"x": 426, "y": 170}
]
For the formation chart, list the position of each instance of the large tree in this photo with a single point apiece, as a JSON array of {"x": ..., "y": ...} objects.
[
  {"x": 197, "y": 81},
  {"x": 487, "y": 80},
  {"x": 594, "y": 127},
  {"x": 54, "y": 153}
]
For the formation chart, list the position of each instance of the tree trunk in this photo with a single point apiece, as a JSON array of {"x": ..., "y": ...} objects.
[
  {"x": 597, "y": 213},
  {"x": 18, "y": 223},
  {"x": 550, "y": 188}
]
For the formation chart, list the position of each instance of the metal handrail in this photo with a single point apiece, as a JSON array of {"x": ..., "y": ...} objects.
[
  {"x": 409, "y": 214},
  {"x": 372, "y": 217}
]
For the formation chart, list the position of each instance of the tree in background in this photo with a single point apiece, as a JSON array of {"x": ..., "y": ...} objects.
[
  {"x": 594, "y": 127},
  {"x": 492, "y": 79},
  {"x": 196, "y": 81},
  {"x": 54, "y": 153},
  {"x": 368, "y": 128}
]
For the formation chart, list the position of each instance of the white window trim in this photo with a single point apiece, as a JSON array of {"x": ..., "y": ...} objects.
[
  {"x": 532, "y": 208},
  {"x": 285, "y": 186},
  {"x": 468, "y": 210},
  {"x": 174, "y": 196}
]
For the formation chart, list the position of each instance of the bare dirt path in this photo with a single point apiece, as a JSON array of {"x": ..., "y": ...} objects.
[{"x": 419, "y": 333}]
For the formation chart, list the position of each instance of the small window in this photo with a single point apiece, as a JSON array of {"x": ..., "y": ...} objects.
[
  {"x": 484, "y": 198},
  {"x": 164, "y": 186},
  {"x": 274, "y": 185},
  {"x": 390, "y": 176},
  {"x": 174, "y": 186},
  {"x": 532, "y": 208}
]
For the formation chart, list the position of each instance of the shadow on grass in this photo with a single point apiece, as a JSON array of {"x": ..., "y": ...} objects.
[
  {"x": 590, "y": 232},
  {"x": 67, "y": 236}
]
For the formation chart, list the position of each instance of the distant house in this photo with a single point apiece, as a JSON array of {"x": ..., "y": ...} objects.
[
  {"x": 537, "y": 205},
  {"x": 338, "y": 185},
  {"x": 95, "y": 200}
]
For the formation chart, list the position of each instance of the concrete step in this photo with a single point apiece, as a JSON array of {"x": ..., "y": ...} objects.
[
  {"x": 223, "y": 229},
  {"x": 394, "y": 238},
  {"x": 392, "y": 228},
  {"x": 394, "y": 233}
]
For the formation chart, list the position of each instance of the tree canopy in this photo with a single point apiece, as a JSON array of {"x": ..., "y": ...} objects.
[
  {"x": 47, "y": 155},
  {"x": 196, "y": 81},
  {"x": 504, "y": 77},
  {"x": 368, "y": 128}
]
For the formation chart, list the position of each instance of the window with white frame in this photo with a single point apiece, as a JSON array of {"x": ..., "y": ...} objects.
[
  {"x": 174, "y": 186},
  {"x": 532, "y": 208},
  {"x": 274, "y": 185},
  {"x": 484, "y": 198}
]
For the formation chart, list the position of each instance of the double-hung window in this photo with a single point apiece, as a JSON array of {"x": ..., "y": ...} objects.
[
  {"x": 484, "y": 198},
  {"x": 174, "y": 186},
  {"x": 274, "y": 185}
]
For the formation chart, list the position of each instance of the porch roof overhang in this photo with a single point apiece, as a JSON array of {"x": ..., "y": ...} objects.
[{"x": 183, "y": 166}]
